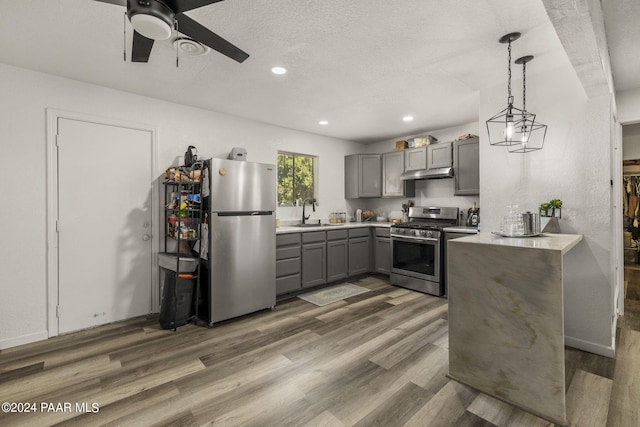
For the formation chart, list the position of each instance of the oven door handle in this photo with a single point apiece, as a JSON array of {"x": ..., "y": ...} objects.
[{"x": 409, "y": 238}]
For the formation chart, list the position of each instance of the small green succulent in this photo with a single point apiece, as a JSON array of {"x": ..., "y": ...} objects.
[
  {"x": 556, "y": 203},
  {"x": 545, "y": 207}
]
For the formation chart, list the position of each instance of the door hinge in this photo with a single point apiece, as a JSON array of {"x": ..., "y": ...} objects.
[
  {"x": 57, "y": 226},
  {"x": 57, "y": 140},
  {"x": 58, "y": 311}
]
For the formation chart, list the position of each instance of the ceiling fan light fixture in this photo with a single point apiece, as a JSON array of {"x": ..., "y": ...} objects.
[
  {"x": 152, "y": 27},
  {"x": 190, "y": 47}
]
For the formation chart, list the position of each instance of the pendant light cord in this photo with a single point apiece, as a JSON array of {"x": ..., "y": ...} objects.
[
  {"x": 177, "y": 42},
  {"x": 510, "y": 98},
  {"x": 524, "y": 86},
  {"x": 124, "y": 38}
]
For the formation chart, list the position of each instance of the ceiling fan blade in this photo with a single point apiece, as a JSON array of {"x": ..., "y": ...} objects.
[
  {"x": 141, "y": 48},
  {"x": 205, "y": 36},
  {"x": 116, "y": 2},
  {"x": 179, "y": 6}
]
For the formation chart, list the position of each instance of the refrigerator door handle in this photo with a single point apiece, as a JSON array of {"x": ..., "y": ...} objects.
[{"x": 252, "y": 213}]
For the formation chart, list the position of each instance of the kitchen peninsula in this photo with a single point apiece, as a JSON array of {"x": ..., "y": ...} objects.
[{"x": 506, "y": 319}]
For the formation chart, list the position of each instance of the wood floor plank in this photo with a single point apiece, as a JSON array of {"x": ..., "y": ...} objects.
[
  {"x": 588, "y": 400},
  {"x": 405, "y": 298},
  {"x": 325, "y": 419},
  {"x": 362, "y": 361},
  {"x": 397, "y": 408},
  {"x": 445, "y": 408},
  {"x": 502, "y": 414},
  {"x": 624, "y": 409},
  {"x": 395, "y": 353},
  {"x": 124, "y": 407},
  {"x": 19, "y": 389},
  {"x": 79, "y": 352}
]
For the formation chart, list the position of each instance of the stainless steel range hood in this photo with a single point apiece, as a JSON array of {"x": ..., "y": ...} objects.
[{"x": 427, "y": 174}]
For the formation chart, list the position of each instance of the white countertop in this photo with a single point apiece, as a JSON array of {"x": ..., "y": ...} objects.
[
  {"x": 546, "y": 241},
  {"x": 293, "y": 229},
  {"x": 461, "y": 229}
]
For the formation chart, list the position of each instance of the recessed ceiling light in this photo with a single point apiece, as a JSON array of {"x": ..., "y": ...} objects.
[
  {"x": 323, "y": 122},
  {"x": 407, "y": 118},
  {"x": 278, "y": 70}
]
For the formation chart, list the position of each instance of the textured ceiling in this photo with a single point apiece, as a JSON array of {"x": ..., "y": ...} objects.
[{"x": 360, "y": 64}]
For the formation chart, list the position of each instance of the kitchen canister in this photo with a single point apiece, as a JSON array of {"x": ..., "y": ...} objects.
[{"x": 531, "y": 223}]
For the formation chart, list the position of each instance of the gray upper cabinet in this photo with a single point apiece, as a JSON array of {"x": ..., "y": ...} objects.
[
  {"x": 415, "y": 159},
  {"x": 362, "y": 176},
  {"x": 439, "y": 155},
  {"x": 392, "y": 168},
  {"x": 466, "y": 166}
]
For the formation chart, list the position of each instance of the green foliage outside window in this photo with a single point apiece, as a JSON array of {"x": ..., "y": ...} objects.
[{"x": 295, "y": 178}]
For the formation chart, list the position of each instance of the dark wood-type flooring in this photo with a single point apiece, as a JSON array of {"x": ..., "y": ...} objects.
[{"x": 376, "y": 359}]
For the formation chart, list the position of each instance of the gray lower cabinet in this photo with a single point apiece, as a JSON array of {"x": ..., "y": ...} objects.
[
  {"x": 382, "y": 251},
  {"x": 314, "y": 259},
  {"x": 359, "y": 251},
  {"x": 466, "y": 166},
  {"x": 288, "y": 270},
  {"x": 337, "y": 255}
]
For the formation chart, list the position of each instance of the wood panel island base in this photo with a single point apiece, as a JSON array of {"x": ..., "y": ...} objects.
[{"x": 506, "y": 319}]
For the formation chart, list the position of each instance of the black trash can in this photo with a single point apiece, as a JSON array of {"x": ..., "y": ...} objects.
[{"x": 177, "y": 300}]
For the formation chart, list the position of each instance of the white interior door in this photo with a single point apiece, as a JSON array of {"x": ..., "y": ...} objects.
[{"x": 104, "y": 223}]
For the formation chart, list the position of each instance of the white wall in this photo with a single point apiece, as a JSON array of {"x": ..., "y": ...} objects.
[
  {"x": 628, "y": 106},
  {"x": 574, "y": 166},
  {"x": 433, "y": 192},
  {"x": 26, "y": 95},
  {"x": 631, "y": 142}
]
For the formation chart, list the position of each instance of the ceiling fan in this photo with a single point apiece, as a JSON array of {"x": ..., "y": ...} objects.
[{"x": 155, "y": 20}]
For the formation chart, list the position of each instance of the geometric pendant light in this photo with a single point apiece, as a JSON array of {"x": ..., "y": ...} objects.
[
  {"x": 529, "y": 134},
  {"x": 502, "y": 127}
]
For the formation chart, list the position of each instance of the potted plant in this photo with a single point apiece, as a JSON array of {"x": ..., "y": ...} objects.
[
  {"x": 553, "y": 208},
  {"x": 544, "y": 209}
]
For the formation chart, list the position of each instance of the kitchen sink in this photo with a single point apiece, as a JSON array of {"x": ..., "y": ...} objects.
[{"x": 312, "y": 225}]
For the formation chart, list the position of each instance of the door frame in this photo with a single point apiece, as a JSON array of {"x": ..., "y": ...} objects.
[{"x": 52, "y": 279}]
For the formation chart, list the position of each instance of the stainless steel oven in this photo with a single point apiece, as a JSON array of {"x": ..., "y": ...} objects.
[
  {"x": 417, "y": 249},
  {"x": 415, "y": 262}
]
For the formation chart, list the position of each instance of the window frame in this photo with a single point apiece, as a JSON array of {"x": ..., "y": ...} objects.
[{"x": 315, "y": 162}]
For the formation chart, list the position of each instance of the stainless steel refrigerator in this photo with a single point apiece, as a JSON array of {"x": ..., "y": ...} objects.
[{"x": 242, "y": 238}]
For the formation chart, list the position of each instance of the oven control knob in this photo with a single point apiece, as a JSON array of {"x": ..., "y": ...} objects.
[
  {"x": 429, "y": 233},
  {"x": 422, "y": 233}
]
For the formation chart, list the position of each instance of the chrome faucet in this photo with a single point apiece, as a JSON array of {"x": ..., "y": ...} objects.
[{"x": 313, "y": 205}]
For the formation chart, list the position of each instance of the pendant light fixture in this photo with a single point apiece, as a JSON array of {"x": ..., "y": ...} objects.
[
  {"x": 529, "y": 134},
  {"x": 502, "y": 127}
]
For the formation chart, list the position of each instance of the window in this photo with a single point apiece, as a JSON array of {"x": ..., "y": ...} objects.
[{"x": 296, "y": 177}]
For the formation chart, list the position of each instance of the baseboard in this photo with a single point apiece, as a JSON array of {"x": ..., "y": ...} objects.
[
  {"x": 590, "y": 347},
  {"x": 23, "y": 339}
]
